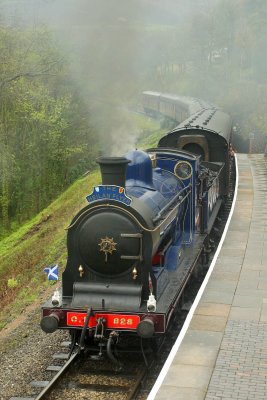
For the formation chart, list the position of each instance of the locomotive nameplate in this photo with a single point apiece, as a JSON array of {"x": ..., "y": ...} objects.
[
  {"x": 109, "y": 192},
  {"x": 113, "y": 321}
]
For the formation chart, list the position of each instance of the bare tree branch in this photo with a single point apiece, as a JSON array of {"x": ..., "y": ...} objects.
[{"x": 31, "y": 74}]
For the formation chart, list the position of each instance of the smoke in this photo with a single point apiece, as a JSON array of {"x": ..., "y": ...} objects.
[
  {"x": 103, "y": 43},
  {"x": 106, "y": 51},
  {"x": 211, "y": 49},
  {"x": 108, "y": 45}
]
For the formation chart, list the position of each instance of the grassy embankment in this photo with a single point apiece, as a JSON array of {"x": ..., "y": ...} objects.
[{"x": 42, "y": 241}]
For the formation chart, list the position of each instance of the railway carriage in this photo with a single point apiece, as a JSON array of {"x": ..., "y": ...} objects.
[{"x": 177, "y": 108}]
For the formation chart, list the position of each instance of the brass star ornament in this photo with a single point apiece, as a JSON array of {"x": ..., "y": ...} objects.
[{"x": 107, "y": 246}]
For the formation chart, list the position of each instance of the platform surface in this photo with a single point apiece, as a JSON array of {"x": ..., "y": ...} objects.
[{"x": 223, "y": 355}]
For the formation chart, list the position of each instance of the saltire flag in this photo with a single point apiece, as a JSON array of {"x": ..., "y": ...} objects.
[{"x": 52, "y": 272}]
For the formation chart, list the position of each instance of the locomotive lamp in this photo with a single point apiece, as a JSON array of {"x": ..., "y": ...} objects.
[
  {"x": 153, "y": 158},
  {"x": 151, "y": 303},
  {"x": 134, "y": 272},
  {"x": 56, "y": 298},
  {"x": 81, "y": 270}
]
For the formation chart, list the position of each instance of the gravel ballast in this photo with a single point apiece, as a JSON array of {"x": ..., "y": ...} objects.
[{"x": 25, "y": 352}]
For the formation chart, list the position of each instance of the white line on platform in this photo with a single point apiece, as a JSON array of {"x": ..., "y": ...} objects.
[{"x": 183, "y": 331}]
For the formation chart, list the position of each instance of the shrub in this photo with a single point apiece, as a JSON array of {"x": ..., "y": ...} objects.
[{"x": 12, "y": 283}]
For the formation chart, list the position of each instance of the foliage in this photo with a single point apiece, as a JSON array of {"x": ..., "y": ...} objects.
[
  {"x": 39, "y": 154},
  {"x": 218, "y": 54},
  {"x": 12, "y": 283}
]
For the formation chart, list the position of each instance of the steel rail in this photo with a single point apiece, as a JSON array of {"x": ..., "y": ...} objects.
[{"x": 51, "y": 384}]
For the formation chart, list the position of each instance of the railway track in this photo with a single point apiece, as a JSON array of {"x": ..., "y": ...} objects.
[{"x": 82, "y": 376}]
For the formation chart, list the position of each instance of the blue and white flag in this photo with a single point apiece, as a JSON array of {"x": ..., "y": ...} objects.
[{"x": 52, "y": 272}]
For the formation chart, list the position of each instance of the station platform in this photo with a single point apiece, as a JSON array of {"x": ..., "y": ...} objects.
[{"x": 222, "y": 354}]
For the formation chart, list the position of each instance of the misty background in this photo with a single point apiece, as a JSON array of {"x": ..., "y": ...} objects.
[{"x": 71, "y": 70}]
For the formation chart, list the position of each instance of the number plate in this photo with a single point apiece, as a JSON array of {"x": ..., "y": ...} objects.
[{"x": 113, "y": 321}]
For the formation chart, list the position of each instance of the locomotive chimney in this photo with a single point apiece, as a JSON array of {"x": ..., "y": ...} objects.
[{"x": 113, "y": 170}]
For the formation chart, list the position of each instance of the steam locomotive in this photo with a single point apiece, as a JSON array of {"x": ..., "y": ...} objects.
[{"x": 133, "y": 247}]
